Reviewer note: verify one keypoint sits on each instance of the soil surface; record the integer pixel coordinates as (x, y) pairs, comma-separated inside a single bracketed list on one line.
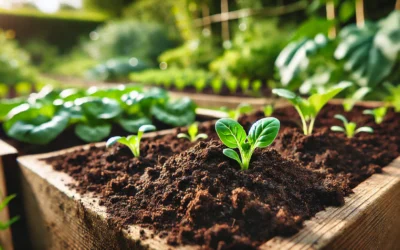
[(191, 193)]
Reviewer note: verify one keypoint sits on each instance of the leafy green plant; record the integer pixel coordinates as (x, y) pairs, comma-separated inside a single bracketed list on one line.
[(268, 110), (3, 204), (244, 85), (378, 114), (350, 128), (256, 86), (394, 96), (308, 109), (357, 96), (132, 141), (232, 84), (231, 133), (200, 84), (216, 85), (193, 133), (178, 113), (241, 109)]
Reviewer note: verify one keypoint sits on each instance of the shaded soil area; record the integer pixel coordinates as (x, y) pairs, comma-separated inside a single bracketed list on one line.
[(191, 193), (68, 138)]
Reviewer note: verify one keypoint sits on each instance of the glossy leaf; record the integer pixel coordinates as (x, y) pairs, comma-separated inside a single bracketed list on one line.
[(230, 132), (92, 133), (263, 132)]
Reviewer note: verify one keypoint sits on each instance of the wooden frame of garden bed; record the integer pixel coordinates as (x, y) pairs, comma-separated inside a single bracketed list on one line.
[(59, 217)]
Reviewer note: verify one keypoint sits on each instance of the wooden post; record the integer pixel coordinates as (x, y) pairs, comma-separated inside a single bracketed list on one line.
[(360, 18), (330, 15), (224, 20), (205, 11), (397, 7)]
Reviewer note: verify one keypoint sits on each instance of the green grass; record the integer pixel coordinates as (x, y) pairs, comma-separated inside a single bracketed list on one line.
[(89, 16)]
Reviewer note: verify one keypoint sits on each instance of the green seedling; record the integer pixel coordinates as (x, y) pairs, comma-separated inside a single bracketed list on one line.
[(231, 133), (241, 109), (3, 204), (378, 113), (244, 85), (394, 96), (359, 95), (268, 110), (350, 128), (232, 84), (256, 86), (180, 84), (308, 109), (192, 134), (200, 84), (132, 141), (216, 85)]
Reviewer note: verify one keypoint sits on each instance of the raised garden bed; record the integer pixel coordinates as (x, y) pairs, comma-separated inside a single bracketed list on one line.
[(191, 194)]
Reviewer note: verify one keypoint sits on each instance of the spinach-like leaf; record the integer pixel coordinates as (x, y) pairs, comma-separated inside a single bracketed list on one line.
[(178, 113), (99, 108), (92, 133), (132, 125)]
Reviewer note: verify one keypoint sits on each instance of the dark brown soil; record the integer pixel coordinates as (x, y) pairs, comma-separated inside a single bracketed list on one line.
[(192, 194)]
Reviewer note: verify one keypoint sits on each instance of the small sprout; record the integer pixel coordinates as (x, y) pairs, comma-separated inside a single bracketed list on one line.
[(359, 95), (268, 110), (349, 128), (231, 133), (200, 84), (132, 141), (256, 86), (394, 96), (241, 109), (216, 85), (232, 84), (244, 85), (308, 109), (378, 113), (193, 133)]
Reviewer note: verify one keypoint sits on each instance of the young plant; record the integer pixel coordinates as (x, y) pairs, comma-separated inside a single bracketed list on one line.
[(256, 86), (232, 84), (132, 141), (308, 109), (244, 85), (378, 113), (231, 133), (200, 84), (349, 128), (394, 96), (216, 85), (349, 103), (268, 110), (193, 133), (241, 109), (3, 204), (180, 84)]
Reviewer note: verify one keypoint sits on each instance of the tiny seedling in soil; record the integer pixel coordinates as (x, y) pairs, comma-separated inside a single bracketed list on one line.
[(350, 128), (308, 109), (359, 95), (193, 133), (132, 141), (378, 113), (268, 110), (241, 109), (231, 133)]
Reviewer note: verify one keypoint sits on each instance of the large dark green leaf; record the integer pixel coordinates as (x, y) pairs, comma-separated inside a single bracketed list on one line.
[(7, 105), (99, 108), (92, 133), (178, 113), (132, 125), (40, 130), (136, 102)]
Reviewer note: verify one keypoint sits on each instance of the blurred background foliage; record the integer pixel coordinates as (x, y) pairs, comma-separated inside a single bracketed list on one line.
[(109, 40)]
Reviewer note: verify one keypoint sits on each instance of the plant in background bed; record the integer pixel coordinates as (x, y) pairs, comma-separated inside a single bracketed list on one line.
[(232, 84), (378, 114), (394, 96), (193, 133), (200, 84), (350, 128), (178, 113), (349, 103), (3, 204), (216, 85), (132, 141), (268, 110), (261, 134), (308, 109), (241, 109), (256, 87), (244, 85)]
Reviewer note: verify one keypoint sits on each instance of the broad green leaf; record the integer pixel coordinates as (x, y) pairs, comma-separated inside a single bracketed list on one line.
[(99, 108), (263, 132), (359, 95), (232, 154), (7, 105), (132, 125), (92, 133), (230, 132), (318, 101), (38, 131), (178, 113)]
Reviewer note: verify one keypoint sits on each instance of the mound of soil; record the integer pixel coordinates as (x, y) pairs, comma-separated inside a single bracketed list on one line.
[(192, 194)]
